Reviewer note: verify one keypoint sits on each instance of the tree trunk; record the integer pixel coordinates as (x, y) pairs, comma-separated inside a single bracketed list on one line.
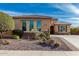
[(1, 35)]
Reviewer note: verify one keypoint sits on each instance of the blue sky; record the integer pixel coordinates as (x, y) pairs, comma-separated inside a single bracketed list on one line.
[(63, 12)]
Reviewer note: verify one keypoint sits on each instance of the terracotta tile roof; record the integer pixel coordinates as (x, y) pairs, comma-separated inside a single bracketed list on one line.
[(32, 17), (61, 23)]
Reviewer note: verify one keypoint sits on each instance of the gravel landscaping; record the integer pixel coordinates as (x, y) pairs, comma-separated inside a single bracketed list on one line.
[(25, 44)]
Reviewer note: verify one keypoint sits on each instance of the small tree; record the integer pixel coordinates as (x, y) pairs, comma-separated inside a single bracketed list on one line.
[(6, 23)]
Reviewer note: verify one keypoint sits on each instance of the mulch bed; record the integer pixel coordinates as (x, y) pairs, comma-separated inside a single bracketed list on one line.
[(24, 44)]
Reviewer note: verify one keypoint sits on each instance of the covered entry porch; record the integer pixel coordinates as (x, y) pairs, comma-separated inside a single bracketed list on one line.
[(60, 28)]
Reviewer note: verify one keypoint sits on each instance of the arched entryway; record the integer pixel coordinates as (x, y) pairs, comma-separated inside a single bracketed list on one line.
[(51, 29)]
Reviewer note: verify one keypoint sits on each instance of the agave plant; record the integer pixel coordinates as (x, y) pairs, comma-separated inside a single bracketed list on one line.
[(43, 37)]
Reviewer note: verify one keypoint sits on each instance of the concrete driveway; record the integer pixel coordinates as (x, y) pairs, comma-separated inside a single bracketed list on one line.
[(69, 39)]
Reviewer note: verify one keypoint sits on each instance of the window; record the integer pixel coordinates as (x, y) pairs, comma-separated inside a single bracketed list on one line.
[(62, 28), (39, 25), (31, 24), (24, 25)]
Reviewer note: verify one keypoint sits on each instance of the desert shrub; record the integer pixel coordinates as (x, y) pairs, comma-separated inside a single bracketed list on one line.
[(49, 42), (0, 37), (57, 45), (46, 33), (16, 37), (75, 31), (18, 32), (43, 36), (4, 42)]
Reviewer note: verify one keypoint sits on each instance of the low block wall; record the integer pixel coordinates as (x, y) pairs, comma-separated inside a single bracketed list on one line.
[(58, 33)]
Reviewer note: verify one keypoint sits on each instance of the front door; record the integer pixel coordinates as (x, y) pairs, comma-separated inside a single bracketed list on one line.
[(51, 29), (23, 25)]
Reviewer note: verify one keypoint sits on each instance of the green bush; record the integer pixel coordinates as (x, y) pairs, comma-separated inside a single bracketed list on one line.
[(18, 32), (75, 31), (16, 37)]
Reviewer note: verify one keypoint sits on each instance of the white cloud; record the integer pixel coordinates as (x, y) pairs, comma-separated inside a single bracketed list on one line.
[(67, 7), (70, 9), (73, 21), (12, 13), (75, 25), (73, 9)]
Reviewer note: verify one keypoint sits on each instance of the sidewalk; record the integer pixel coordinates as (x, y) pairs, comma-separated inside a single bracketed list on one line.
[(38, 53)]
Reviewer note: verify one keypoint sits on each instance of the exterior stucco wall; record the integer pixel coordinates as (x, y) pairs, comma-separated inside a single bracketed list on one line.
[(18, 24), (45, 24), (56, 28), (35, 24), (68, 28)]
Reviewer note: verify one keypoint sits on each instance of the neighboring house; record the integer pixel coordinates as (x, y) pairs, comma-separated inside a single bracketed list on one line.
[(41, 23)]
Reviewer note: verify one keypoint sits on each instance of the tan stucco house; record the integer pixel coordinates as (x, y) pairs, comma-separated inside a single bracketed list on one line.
[(41, 23)]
